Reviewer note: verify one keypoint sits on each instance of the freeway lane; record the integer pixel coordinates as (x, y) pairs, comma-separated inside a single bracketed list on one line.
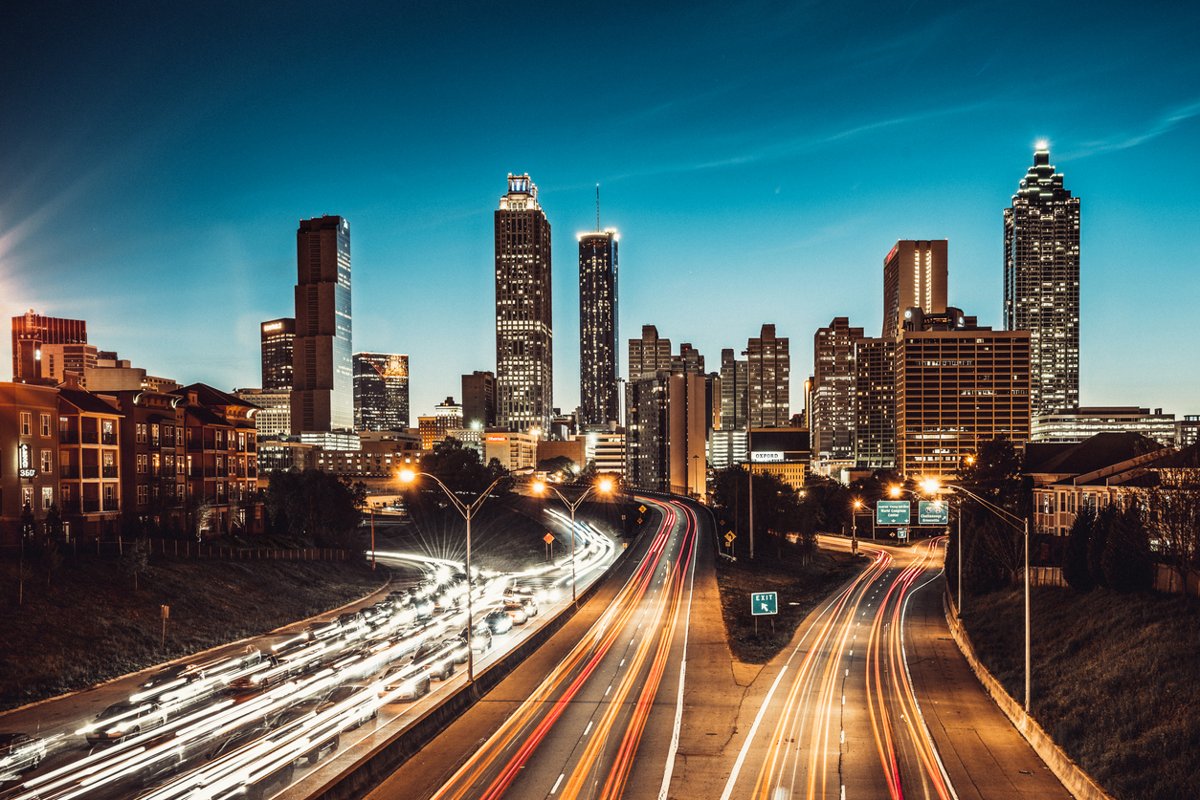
[(593, 713)]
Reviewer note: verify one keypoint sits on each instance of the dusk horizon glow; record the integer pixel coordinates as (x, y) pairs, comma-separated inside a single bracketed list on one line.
[(759, 163)]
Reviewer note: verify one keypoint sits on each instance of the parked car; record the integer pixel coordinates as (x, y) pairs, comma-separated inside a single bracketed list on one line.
[(19, 752), (122, 720), (498, 622)]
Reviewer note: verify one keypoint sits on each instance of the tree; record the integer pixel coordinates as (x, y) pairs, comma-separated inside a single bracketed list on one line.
[(561, 466), (1075, 563), (316, 506), (135, 561), (1126, 562), (1098, 543), (1175, 517), (459, 467)]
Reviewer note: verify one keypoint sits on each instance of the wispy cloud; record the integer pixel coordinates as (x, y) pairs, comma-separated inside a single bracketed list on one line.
[(1124, 141)]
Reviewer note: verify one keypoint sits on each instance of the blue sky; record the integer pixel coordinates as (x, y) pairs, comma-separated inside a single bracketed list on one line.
[(759, 160)]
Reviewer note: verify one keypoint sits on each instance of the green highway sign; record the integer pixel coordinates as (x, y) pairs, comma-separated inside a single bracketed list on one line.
[(933, 512), (893, 512), (764, 603)]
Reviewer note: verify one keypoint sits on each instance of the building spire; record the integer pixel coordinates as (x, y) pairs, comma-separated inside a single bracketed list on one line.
[(597, 208)]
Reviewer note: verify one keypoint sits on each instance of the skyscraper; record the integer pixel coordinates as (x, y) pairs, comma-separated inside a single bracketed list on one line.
[(914, 276), (322, 377), (277, 337), (875, 403), (524, 330), (734, 399), (769, 374), (598, 328), (479, 400), (833, 416), (648, 354), (30, 332), (380, 391), (1041, 283)]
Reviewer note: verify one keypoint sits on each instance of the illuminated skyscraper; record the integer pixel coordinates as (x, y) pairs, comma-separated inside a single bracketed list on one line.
[(380, 391), (598, 328), (277, 340), (1041, 283), (914, 276), (834, 414), (524, 329), (31, 332), (322, 378), (769, 378)]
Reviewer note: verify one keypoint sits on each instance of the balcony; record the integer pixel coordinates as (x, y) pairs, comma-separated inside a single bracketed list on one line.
[(109, 472), (91, 470), (90, 437), (68, 437), (68, 471), (91, 506), (108, 438)]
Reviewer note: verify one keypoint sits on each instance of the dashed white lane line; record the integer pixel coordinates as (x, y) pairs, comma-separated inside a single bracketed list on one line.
[(557, 782), (588, 729)]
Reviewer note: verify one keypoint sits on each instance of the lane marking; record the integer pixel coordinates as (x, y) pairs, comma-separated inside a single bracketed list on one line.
[(673, 748), (588, 729), (560, 780)]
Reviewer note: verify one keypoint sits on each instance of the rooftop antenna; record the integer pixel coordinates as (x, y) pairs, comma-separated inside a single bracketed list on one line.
[(597, 208)]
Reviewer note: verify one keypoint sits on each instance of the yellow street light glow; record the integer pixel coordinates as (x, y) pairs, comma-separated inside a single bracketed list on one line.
[(970, 459), (407, 476), (931, 485), (894, 491), (605, 485), (858, 503), (538, 487)]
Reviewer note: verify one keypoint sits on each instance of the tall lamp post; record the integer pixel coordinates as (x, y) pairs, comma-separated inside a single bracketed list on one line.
[(468, 511), (604, 486), (1016, 523), (857, 505)]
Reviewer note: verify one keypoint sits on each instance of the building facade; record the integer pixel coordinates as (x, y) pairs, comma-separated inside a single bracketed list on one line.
[(89, 456), (221, 465), (784, 452), (30, 332), (322, 377), (649, 354), (273, 417), (914, 276), (957, 387), (734, 375), (769, 367), (512, 449), (380, 391), (29, 458), (447, 416), (598, 335), (667, 435), (524, 323), (1087, 421), (153, 460), (1041, 283)]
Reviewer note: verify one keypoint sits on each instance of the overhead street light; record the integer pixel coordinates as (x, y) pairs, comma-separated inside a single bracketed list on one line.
[(467, 510), (604, 486)]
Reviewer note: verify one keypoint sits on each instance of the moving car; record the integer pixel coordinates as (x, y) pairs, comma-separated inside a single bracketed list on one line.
[(498, 622), (409, 682), (19, 752), (516, 611), (122, 720), (364, 705), (481, 637)]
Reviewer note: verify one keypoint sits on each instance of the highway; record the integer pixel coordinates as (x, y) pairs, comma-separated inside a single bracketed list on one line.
[(597, 712)]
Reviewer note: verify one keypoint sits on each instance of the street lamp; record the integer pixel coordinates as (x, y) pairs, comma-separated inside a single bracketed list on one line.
[(858, 504), (604, 486), (468, 511), (1017, 523)]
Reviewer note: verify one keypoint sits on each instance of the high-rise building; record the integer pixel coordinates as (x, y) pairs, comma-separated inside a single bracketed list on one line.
[(688, 359), (30, 332), (1086, 421), (524, 329), (734, 392), (833, 415), (914, 276), (380, 391), (769, 378), (599, 403), (875, 403), (277, 337), (957, 386), (1041, 283), (648, 354), (479, 400), (666, 439), (447, 417), (323, 375)]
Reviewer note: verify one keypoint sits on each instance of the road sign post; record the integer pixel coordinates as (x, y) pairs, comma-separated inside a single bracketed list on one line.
[(764, 604), (549, 540)]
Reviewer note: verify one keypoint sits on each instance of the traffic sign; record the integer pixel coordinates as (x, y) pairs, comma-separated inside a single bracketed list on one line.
[(901, 533), (933, 512), (764, 603), (729, 537), (642, 509), (893, 512), (548, 538)]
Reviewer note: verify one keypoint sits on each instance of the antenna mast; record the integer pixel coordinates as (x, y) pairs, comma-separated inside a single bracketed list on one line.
[(597, 208)]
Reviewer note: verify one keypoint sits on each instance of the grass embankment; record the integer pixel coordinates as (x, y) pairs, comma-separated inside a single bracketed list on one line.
[(90, 625), (800, 587), (1115, 681)]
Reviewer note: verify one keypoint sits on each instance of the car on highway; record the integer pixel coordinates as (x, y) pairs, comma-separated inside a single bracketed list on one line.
[(409, 682), (19, 752), (481, 637), (530, 605), (122, 720), (516, 611), (363, 703), (498, 622)]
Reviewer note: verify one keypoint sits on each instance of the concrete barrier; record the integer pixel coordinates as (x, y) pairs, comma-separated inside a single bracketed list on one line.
[(358, 777), (1077, 782)]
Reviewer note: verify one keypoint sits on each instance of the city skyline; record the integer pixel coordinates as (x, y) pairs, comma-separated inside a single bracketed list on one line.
[(820, 195)]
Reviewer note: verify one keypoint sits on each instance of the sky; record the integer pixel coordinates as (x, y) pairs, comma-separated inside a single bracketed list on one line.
[(759, 160)]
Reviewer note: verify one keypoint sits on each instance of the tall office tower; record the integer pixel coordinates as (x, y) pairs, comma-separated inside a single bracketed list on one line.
[(957, 386), (769, 377), (30, 332), (734, 398), (322, 376), (1041, 283), (648, 354), (277, 337), (380, 392), (479, 400), (524, 331), (599, 404), (688, 359), (666, 437), (833, 413), (875, 403), (914, 276)]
